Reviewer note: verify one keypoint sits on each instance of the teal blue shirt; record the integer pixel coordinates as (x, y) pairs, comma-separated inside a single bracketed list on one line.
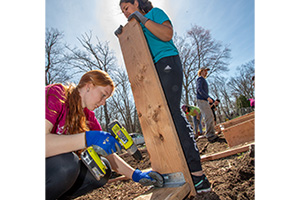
[(158, 48)]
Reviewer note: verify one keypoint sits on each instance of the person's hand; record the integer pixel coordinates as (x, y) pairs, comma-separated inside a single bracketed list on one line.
[(148, 178), (210, 100), (139, 17), (198, 116), (103, 143), (119, 30)]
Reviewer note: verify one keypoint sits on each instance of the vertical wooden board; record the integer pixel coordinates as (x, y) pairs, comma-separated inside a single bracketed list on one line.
[(160, 135), (240, 133)]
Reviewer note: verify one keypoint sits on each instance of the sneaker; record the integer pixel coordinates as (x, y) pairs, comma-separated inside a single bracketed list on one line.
[(201, 184), (213, 139)]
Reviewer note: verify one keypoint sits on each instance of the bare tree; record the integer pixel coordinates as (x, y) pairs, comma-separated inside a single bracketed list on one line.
[(230, 91), (56, 63), (188, 66), (207, 51), (197, 50), (241, 84), (123, 103), (220, 90), (93, 56)]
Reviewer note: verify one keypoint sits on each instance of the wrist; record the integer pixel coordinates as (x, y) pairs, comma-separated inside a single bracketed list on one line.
[(136, 175), (89, 138), (141, 17), (144, 20), (84, 139)]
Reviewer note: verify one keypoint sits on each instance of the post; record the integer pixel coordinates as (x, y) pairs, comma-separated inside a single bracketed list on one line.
[(160, 135)]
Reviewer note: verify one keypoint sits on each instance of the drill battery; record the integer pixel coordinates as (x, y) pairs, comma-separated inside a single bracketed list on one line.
[(93, 162)]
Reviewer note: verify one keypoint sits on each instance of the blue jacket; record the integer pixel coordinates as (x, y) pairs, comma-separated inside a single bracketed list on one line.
[(202, 88)]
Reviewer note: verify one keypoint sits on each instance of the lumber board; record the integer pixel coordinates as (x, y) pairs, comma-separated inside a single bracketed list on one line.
[(238, 120), (177, 193), (225, 153), (159, 131), (240, 133)]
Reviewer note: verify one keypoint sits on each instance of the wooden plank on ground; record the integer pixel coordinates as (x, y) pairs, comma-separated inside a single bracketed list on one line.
[(226, 153), (160, 135), (240, 133), (176, 193), (238, 120)]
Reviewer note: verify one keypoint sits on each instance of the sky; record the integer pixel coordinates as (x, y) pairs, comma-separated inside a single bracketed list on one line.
[(230, 22)]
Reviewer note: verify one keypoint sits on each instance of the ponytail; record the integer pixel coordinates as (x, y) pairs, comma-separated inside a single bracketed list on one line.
[(145, 5), (75, 120)]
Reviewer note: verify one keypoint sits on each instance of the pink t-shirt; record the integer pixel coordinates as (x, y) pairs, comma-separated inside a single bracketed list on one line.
[(56, 99)]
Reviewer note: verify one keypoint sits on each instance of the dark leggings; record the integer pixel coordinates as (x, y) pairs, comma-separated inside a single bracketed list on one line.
[(169, 70), (67, 177)]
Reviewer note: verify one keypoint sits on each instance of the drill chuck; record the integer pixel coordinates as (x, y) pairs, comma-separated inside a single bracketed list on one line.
[(133, 150), (122, 136)]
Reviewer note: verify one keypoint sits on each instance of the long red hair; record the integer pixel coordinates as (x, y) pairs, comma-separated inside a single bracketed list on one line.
[(76, 120)]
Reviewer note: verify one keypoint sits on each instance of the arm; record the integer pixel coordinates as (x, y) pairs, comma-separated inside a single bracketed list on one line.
[(163, 31), (198, 116), (58, 144), (144, 178), (210, 100), (120, 166), (201, 90)]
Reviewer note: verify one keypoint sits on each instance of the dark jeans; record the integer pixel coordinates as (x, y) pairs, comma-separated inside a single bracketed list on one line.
[(169, 70), (67, 177)]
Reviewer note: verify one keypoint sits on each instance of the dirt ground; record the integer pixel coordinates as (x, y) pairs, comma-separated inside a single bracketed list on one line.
[(231, 177)]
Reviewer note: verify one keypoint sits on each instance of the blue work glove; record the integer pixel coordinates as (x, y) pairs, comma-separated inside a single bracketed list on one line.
[(148, 178), (139, 17), (102, 142)]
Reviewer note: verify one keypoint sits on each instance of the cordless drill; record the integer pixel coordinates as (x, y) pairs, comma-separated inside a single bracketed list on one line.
[(120, 133), (92, 160)]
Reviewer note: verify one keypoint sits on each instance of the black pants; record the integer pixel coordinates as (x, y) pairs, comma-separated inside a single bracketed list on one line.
[(67, 177), (169, 70)]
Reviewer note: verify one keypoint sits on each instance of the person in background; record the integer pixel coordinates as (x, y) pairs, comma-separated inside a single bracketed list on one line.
[(203, 100), (213, 107), (194, 112), (71, 125), (252, 101), (158, 31)]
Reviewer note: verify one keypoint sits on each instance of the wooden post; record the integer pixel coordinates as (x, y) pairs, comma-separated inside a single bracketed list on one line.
[(160, 135)]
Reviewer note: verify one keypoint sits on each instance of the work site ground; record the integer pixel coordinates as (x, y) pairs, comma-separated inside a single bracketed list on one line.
[(230, 177)]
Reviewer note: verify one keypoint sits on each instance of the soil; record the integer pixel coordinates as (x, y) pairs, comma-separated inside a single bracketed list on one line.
[(231, 177)]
